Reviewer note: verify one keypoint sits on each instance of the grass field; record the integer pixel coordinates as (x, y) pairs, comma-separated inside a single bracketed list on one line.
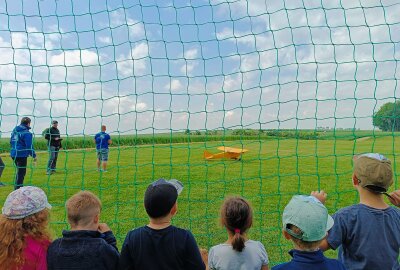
[(269, 174)]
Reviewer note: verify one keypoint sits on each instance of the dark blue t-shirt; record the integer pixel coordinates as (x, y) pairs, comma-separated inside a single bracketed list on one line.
[(303, 260), (171, 248), (367, 238), (102, 139)]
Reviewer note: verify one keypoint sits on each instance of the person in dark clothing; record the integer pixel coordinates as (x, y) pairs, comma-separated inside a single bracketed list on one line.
[(159, 245), (53, 144), (306, 222), (21, 142), (89, 245), (2, 166)]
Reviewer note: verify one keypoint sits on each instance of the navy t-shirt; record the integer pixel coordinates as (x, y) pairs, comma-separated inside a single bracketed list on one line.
[(368, 238), (303, 260), (170, 248), (102, 139)]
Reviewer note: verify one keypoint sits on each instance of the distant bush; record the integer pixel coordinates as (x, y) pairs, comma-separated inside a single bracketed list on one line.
[(298, 134), (211, 132), (245, 132)]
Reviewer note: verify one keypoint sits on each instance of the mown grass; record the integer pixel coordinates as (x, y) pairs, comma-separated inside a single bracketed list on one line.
[(269, 174)]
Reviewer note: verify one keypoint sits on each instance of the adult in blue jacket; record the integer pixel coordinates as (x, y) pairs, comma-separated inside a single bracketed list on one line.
[(21, 148)]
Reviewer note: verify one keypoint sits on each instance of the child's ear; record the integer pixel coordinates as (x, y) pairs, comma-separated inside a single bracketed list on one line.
[(286, 235), (355, 180), (96, 219), (174, 209)]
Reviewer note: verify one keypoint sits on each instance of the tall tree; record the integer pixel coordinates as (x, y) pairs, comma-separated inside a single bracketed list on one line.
[(388, 117)]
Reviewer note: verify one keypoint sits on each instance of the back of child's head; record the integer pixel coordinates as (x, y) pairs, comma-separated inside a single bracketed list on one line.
[(373, 172), (307, 221), (82, 208), (25, 213), (161, 196), (237, 217)]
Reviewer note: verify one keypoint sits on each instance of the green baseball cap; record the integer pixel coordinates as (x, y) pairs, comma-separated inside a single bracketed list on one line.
[(309, 215)]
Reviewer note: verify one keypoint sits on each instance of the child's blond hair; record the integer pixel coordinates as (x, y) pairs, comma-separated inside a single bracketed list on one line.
[(82, 207)]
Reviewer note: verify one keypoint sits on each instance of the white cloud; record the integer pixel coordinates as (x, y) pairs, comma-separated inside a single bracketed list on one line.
[(19, 40), (122, 105), (175, 85), (229, 114), (105, 40), (136, 29), (191, 54), (188, 67), (140, 51), (134, 63), (74, 58)]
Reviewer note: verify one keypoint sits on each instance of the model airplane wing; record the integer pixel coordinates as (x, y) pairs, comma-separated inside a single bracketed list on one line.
[(232, 150), (227, 153)]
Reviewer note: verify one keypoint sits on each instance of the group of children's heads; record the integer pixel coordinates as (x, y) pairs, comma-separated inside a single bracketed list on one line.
[(305, 219)]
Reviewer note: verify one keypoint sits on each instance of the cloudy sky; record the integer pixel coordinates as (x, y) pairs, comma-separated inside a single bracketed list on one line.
[(158, 66)]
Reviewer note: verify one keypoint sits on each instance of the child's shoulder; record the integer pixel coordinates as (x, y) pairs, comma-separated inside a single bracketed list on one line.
[(34, 243), (169, 230), (250, 245), (360, 213), (352, 209), (361, 208)]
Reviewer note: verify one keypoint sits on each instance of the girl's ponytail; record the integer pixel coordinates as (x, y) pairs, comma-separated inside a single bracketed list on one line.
[(237, 217), (238, 241)]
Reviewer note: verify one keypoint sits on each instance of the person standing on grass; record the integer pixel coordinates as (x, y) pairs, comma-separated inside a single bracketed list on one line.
[(2, 166), (102, 140), (53, 144), (21, 142)]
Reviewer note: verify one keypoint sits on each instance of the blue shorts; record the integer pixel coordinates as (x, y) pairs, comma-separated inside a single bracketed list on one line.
[(102, 154)]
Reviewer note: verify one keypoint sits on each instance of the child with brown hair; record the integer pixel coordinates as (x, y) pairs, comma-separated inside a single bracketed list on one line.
[(367, 233), (89, 244), (238, 252), (25, 236)]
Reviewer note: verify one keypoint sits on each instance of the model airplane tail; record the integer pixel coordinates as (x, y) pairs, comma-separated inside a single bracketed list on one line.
[(208, 155)]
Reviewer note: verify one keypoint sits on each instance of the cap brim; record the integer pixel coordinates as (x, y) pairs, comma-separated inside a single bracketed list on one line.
[(48, 206), (329, 223), (177, 184)]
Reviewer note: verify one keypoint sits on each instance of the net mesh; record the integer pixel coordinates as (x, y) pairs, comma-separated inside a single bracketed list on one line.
[(294, 82)]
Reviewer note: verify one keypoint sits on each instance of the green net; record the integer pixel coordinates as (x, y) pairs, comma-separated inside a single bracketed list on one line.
[(295, 82)]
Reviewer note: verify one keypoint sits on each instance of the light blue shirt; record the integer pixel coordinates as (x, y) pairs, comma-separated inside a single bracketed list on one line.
[(252, 257)]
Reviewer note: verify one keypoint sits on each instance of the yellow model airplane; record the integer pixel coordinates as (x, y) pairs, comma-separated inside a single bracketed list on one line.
[(228, 152)]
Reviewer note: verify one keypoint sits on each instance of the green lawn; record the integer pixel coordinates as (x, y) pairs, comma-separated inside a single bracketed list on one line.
[(270, 173)]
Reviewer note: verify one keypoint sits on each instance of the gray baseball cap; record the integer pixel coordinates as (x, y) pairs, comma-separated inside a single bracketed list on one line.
[(309, 215)]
